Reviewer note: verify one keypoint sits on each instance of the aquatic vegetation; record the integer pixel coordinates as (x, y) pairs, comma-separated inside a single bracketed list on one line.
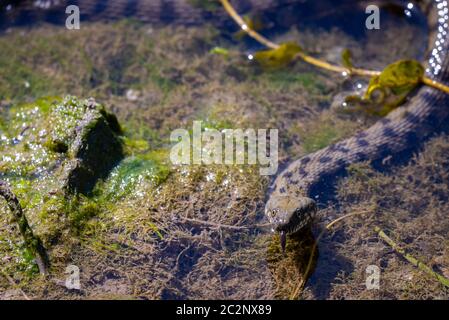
[(389, 201), (29, 71), (346, 59), (284, 78), (32, 245), (43, 141), (279, 57), (149, 229), (254, 22), (273, 47), (324, 133), (388, 90), (288, 268), (127, 178), (25, 150), (221, 51)]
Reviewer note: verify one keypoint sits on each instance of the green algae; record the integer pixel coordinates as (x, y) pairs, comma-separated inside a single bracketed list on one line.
[(24, 151), (47, 142), (131, 174), (143, 201), (285, 78), (30, 161), (40, 133), (324, 133), (43, 63)]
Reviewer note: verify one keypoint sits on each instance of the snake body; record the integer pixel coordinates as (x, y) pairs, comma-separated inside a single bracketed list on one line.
[(291, 203)]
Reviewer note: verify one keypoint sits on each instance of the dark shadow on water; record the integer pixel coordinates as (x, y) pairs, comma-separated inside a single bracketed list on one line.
[(328, 266)]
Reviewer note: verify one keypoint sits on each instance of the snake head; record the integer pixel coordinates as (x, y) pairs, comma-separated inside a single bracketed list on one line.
[(289, 214)]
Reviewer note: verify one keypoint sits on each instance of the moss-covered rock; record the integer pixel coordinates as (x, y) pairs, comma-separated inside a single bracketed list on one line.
[(75, 141), (95, 149), (53, 150)]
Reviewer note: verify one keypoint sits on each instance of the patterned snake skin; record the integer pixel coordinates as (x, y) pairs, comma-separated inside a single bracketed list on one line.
[(290, 206)]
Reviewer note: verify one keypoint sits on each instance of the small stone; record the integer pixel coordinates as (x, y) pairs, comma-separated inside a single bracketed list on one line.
[(132, 95)]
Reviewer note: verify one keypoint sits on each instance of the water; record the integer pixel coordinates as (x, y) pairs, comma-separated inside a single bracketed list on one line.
[(199, 231)]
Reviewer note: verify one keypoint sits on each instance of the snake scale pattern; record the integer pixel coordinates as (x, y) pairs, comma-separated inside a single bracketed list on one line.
[(291, 204)]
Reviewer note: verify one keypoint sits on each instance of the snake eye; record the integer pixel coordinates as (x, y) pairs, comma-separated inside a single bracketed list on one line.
[(274, 212)]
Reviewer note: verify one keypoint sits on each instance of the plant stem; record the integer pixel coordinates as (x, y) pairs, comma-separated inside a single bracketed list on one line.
[(417, 263), (239, 20), (32, 242), (435, 84), (312, 60)]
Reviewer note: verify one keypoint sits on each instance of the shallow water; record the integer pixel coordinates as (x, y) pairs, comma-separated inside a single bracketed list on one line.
[(154, 230)]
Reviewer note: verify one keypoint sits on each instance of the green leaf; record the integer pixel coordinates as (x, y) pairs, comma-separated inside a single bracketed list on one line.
[(220, 50), (278, 58), (253, 22), (400, 77), (346, 57), (390, 89)]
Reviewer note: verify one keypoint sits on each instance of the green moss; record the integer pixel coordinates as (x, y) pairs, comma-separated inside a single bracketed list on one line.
[(57, 146), (29, 70), (133, 146), (20, 76), (35, 145), (289, 268)]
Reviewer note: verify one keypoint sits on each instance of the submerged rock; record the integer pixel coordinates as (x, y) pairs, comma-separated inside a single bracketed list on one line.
[(75, 142), (52, 153), (94, 151)]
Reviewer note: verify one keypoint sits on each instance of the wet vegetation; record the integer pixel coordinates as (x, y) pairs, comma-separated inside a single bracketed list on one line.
[(149, 229)]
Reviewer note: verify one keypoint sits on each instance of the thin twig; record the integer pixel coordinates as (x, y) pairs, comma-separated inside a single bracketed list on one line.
[(32, 242), (312, 60), (435, 84), (253, 34), (417, 263)]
